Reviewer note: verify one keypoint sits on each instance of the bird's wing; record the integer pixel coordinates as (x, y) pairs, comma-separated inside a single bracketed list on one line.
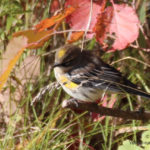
[(103, 77)]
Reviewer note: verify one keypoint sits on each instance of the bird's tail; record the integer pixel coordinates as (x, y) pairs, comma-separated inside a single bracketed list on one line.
[(128, 88), (136, 91)]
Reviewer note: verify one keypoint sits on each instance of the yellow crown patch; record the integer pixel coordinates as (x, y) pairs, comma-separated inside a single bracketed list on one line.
[(61, 53)]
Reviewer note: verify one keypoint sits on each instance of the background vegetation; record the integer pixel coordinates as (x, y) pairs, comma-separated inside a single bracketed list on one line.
[(45, 125)]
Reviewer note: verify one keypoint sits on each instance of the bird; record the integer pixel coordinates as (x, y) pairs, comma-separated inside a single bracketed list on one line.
[(86, 77)]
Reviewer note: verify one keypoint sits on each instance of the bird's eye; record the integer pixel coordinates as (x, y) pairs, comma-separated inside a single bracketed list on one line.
[(68, 63)]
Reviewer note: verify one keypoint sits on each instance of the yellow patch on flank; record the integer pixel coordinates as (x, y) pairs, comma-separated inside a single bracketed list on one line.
[(61, 53), (71, 85), (68, 84)]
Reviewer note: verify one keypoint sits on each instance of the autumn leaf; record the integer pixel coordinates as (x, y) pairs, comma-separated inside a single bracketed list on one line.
[(24, 39), (13, 52), (84, 17), (124, 26), (115, 26), (103, 23), (120, 24), (47, 23), (75, 36), (35, 39)]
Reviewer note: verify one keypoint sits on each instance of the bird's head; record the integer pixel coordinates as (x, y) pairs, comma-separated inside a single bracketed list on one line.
[(67, 56)]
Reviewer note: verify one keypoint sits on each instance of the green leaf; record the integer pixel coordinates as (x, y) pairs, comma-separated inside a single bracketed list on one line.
[(146, 139), (128, 145)]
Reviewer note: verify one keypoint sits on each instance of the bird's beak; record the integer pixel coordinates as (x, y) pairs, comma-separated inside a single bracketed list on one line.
[(56, 65)]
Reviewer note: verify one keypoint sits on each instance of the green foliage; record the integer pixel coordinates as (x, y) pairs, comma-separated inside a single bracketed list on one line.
[(10, 7), (146, 140), (129, 145)]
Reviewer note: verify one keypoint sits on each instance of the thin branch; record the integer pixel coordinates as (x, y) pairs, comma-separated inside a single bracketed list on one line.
[(88, 24), (130, 58), (94, 107), (138, 47)]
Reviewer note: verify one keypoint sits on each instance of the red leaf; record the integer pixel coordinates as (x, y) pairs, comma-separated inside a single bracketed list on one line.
[(103, 24), (84, 17), (124, 26)]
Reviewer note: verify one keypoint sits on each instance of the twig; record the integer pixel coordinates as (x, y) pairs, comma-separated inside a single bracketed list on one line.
[(94, 107), (88, 25), (131, 58), (143, 49)]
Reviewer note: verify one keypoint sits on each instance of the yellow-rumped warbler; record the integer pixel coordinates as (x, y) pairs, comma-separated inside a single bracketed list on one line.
[(84, 76)]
